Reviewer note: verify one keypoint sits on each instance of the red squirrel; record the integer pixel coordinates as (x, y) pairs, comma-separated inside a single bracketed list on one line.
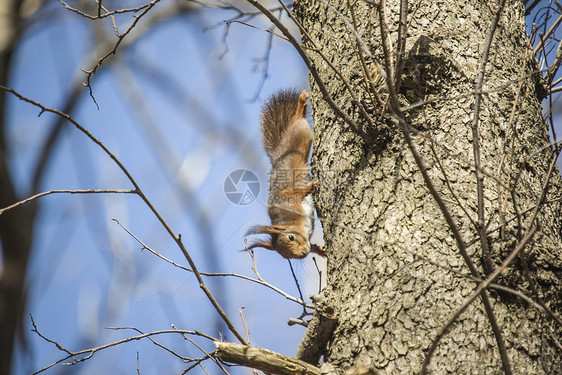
[(287, 138)]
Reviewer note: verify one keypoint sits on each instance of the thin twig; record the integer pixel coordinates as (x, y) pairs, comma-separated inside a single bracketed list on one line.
[(441, 98), (85, 354), (402, 33), (244, 323), (448, 182), (481, 288), (514, 217), (311, 67), (100, 15), (297, 284), (140, 193), (216, 274), (254, 266), (258, 28), (552, 29), (388, 65), (510, 126), (369, 84), (211, 356), (476, 150), (88, 191), (120, 37), (538, 304), (328, 61)]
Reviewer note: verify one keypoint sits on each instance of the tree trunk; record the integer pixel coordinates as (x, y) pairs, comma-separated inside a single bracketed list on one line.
[(395, 271)]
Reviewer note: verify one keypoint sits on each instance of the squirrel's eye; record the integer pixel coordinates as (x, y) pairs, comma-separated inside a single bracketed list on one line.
[(291, 237)]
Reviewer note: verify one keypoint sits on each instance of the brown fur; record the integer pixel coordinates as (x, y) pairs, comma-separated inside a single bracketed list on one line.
[(287, 139)]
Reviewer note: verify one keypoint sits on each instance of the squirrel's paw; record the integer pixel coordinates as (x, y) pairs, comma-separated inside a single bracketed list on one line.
[(317, 250), (314, 186)]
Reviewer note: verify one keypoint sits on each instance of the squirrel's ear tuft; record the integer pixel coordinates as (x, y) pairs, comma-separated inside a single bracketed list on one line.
[(256, 229), (265, 244), (263, 229)]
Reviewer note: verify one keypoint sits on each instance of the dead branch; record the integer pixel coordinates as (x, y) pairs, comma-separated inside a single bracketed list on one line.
[(263, 359)]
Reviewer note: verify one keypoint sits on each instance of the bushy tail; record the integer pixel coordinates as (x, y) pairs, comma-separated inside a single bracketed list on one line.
[(280, 111)]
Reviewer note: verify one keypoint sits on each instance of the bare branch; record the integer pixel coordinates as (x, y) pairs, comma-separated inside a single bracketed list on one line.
[(89, 191), (244, 322), (337, 71), (259, 281), (210, 356), (120, 36), (263, 359), (476, 150), (254, 266), (106, 13), (140, 193), (326, 95), (85, 354), (481, 287), (551, 30), (367, 79)]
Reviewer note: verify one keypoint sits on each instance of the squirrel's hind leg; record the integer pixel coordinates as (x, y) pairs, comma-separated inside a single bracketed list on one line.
[(301, 108), (301, 191)]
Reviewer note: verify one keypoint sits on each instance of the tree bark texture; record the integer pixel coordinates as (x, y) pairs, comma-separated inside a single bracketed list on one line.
[(395, 274)]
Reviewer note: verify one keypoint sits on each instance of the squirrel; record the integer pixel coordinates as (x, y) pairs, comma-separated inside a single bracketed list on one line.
[(287, 139)]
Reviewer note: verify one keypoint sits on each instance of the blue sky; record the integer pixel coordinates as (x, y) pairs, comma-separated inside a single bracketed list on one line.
[(174, 93), (176, 109)]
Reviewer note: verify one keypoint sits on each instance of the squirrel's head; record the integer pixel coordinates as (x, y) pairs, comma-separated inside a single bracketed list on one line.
[(288, 241)]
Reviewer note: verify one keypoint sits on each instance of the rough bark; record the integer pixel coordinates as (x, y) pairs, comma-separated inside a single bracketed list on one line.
[(391, 254)]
